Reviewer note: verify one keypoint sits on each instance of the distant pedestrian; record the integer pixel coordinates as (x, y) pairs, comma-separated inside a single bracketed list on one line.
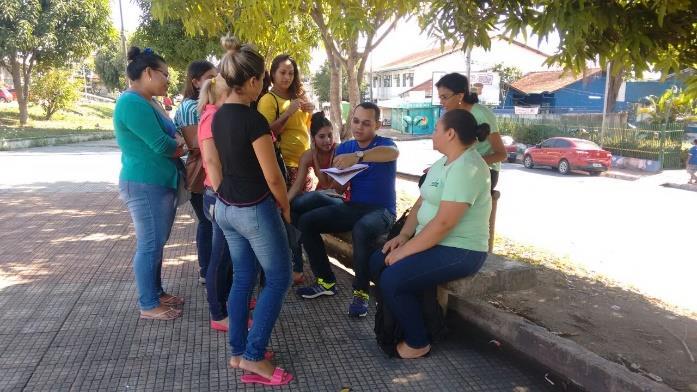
[(150, 151), (692, 163)]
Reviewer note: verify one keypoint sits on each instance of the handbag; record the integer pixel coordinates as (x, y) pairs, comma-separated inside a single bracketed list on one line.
[(183, 194), (195, 175)]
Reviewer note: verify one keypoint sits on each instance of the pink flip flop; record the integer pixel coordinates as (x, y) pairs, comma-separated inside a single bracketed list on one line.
[(218, 326), (280, 377)]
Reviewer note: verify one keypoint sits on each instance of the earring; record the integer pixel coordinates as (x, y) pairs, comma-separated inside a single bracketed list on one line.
[(150, 79)]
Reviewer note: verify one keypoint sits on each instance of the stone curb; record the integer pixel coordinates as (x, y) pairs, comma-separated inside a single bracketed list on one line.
[(620, 176), (564, 357), (17, 144)]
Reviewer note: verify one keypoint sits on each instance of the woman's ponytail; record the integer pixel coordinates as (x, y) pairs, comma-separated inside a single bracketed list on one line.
[(483, 131)]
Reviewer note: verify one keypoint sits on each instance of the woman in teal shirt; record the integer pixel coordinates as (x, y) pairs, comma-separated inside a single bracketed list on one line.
[(149, 177), (449, 225)]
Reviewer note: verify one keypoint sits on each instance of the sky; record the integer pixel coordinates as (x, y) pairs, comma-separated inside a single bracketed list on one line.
[(392, 48)]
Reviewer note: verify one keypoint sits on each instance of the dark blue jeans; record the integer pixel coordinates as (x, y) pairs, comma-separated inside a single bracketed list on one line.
[(152, 209), (366, 223), (204, 234), (300, 205), (403, 282), (219, 273), (257, 237)]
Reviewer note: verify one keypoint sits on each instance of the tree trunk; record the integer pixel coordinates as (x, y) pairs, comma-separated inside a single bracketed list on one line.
[(616, 79), (353, 90), (335, 93), (20, 89)]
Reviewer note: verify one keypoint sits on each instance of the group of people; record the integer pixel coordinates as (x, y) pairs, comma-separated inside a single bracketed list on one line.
[(255, 151)]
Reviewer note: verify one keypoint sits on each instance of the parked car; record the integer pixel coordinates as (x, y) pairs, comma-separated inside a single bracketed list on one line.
[(5, 95), (511, 148), (14, 93), (567, 154)]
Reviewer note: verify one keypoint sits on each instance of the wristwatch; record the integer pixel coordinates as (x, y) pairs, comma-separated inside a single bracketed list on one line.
[(360, 154)]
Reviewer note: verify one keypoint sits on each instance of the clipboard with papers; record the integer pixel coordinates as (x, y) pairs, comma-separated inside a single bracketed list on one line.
[(342, 176)]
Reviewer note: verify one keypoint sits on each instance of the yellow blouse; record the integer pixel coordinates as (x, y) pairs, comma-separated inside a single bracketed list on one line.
[(295, 139)]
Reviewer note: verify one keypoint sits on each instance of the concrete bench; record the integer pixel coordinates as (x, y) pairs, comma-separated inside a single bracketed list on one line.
[(497, 275)]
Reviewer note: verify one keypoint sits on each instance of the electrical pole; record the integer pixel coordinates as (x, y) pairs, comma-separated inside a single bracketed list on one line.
[(123, 44)]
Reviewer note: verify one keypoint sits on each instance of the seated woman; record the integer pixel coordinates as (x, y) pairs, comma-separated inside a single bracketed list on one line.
[(451, 223), (319, 156)]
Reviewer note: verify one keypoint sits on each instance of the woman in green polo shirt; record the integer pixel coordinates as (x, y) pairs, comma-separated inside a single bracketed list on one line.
[(449, 225), (148, 181)]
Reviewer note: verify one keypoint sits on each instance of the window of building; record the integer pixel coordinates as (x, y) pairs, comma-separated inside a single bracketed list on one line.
[(376, 82), (396, 80), (410, 79), (404, 80), (387, 81)]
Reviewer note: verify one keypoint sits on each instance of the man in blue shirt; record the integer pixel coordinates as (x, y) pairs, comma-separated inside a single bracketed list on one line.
[(368, 215), (692, 163)]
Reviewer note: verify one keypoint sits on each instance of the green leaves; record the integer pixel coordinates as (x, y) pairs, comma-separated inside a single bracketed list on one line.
[(56, 90)]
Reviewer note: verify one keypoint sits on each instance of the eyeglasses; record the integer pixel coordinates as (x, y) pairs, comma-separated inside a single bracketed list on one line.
[(444, 98), (165, 74)]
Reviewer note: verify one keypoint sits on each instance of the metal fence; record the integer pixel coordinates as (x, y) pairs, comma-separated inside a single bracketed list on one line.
[(659, 142)]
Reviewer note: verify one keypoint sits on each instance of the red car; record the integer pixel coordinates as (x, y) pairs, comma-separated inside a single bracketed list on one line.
[(567, 154), (511, 148), (5, 95)]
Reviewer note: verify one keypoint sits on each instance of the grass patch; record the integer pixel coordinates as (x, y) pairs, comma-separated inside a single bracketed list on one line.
[(83, 118)]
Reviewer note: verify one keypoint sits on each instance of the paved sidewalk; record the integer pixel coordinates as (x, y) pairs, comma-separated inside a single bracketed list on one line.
[(69, 319)]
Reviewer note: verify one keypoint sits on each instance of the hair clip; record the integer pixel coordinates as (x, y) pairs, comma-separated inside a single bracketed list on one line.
[(212, 81), (148, 51)]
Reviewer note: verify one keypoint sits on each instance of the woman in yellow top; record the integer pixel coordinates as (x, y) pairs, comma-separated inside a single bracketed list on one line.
[(288, 111)]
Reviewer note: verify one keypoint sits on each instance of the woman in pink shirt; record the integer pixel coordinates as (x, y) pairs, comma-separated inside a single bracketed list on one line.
[(219, 274)]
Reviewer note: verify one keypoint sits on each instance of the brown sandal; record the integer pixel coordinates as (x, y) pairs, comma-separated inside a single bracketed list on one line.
[(169, 314), (171, 300)]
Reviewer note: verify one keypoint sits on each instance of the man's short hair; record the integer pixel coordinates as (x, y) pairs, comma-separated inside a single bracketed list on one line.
[(370, 106)]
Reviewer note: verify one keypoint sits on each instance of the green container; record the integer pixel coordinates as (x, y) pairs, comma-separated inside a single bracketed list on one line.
[(415, 118)]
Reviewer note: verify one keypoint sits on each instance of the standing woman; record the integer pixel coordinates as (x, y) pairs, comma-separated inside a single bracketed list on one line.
[(287, 109), (214, 92), (186, 119), (251, 190), (149, 176), (454, 93)]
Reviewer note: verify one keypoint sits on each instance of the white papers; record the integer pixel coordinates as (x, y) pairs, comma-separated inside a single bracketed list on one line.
[(342, 176)]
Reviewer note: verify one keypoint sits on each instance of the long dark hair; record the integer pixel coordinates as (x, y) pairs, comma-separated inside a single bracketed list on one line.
[(465, 126), (458, 84), (195, 71), (139, 60), (296, 89)]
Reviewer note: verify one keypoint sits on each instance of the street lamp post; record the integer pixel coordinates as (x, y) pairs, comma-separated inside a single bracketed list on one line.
[(123, 44)]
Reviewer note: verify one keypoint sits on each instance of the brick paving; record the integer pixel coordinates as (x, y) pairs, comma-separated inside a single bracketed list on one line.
[(69, 321)]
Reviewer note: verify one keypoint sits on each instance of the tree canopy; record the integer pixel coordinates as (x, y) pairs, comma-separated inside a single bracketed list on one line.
[(635, 36), (43, 34)]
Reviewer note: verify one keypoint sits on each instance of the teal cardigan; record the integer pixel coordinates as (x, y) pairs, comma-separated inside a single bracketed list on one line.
[(146, 150)]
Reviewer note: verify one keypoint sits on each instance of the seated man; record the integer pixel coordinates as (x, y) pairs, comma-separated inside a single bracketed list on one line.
[(368, 215)]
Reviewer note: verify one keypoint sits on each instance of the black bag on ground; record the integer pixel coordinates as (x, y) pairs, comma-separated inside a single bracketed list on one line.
[(388, 331)]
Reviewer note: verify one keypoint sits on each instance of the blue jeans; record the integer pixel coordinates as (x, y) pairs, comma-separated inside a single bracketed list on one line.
[(403, 282), (204, 234), (300, 205), (366, 223), (152, 209), (254, 233), (219, 272)]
